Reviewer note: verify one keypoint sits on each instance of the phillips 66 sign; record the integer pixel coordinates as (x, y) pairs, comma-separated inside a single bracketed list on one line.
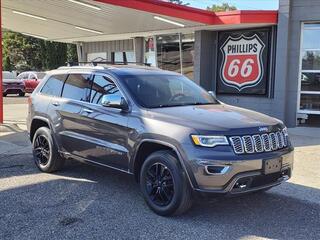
[(243, 62)]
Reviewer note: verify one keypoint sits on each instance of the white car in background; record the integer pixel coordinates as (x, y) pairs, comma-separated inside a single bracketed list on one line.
[(12, 85)]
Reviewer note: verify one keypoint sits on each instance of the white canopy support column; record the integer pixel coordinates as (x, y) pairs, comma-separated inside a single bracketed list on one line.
[(80, 53)]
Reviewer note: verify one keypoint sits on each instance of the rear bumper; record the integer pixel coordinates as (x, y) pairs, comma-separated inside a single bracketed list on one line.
[(243, 176)]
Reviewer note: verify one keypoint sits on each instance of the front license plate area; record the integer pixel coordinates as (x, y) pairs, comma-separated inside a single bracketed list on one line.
[(272, 165)]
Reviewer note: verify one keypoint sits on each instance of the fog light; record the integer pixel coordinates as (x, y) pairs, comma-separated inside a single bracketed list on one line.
[(216, 169)]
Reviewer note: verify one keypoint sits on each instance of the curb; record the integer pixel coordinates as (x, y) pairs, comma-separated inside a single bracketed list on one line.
[(15, 127)]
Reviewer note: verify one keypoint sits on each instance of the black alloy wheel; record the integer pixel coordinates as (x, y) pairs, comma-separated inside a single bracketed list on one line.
[(159, 184), (42, 150), (164, 184), (45, 152)]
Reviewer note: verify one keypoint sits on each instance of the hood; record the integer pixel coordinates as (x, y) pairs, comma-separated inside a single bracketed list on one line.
[(218, 118)]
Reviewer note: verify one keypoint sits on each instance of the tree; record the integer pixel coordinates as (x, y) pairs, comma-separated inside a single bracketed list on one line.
[(7, 66), (72, 55), (55, 54), (224, 7), (179, 2), (23, 53)]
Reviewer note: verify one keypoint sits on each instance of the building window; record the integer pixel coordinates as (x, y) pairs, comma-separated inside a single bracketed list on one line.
[(124, 57), (175, 53), (310, 69), (168, 52), (187, 45), (99, 56)]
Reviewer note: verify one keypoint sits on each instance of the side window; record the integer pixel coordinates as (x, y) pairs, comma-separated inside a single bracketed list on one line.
[(20, 76), (102, 86), (25, 76), (77, 87), (32, 76), (53, 85)]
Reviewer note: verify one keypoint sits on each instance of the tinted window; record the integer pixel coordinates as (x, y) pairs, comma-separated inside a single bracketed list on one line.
[(152, 91), (77, 87), (54, 85), (102, 86)]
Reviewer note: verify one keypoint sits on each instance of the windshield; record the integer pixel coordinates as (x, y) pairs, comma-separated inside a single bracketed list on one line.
[(154, 91), (8, 75)]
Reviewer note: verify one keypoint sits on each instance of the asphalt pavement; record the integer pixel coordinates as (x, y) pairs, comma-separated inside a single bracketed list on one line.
[(87, 202)]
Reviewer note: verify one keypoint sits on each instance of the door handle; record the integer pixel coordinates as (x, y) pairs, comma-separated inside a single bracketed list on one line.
[(87, 110), (56, 104)]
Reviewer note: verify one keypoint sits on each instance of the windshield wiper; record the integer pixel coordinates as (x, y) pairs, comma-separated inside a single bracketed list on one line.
[(169, 105), (181, 104)]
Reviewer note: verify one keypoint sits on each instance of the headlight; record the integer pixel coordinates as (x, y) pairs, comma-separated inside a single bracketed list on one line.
[(209, 141)]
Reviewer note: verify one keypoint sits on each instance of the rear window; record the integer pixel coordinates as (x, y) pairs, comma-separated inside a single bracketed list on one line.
[(54, 85), (77, 87)]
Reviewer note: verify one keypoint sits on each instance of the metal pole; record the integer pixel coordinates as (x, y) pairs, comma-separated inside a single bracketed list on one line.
[(1, 95), (180, 52)]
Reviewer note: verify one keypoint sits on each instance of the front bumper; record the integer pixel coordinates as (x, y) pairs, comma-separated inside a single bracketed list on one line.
[(240, 176), (13, 89)]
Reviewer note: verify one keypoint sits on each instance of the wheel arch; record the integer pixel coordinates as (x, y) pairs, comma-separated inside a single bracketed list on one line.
[(148, 146), (37, 123)]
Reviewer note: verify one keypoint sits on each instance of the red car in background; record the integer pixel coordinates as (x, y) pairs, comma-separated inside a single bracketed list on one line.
[(31, 80)]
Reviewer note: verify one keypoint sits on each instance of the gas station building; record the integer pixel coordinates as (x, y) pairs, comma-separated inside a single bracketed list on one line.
[(268, 61)]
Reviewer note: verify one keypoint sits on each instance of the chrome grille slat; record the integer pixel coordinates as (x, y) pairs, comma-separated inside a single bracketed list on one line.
[(285, 137), (273, 140), (266, 142), (259, 143), (237, 145), (248, 144), (280, 139)]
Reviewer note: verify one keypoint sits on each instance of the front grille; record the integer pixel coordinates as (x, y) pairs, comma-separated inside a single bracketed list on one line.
[(259, 143)]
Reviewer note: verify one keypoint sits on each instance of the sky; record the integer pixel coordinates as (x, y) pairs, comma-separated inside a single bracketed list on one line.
[(240, 4)]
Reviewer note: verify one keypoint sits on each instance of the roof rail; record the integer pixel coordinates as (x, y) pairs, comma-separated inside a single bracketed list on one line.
[(103, 61), (81, 67)]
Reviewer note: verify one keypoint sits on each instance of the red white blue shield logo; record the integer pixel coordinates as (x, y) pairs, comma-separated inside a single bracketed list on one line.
[(242, 65)]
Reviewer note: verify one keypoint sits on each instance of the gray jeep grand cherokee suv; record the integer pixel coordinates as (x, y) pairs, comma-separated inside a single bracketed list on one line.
[(172, 135)]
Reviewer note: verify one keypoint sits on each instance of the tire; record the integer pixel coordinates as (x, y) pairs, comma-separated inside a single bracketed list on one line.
[(45, 152), (164, 196), (22, 94)]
